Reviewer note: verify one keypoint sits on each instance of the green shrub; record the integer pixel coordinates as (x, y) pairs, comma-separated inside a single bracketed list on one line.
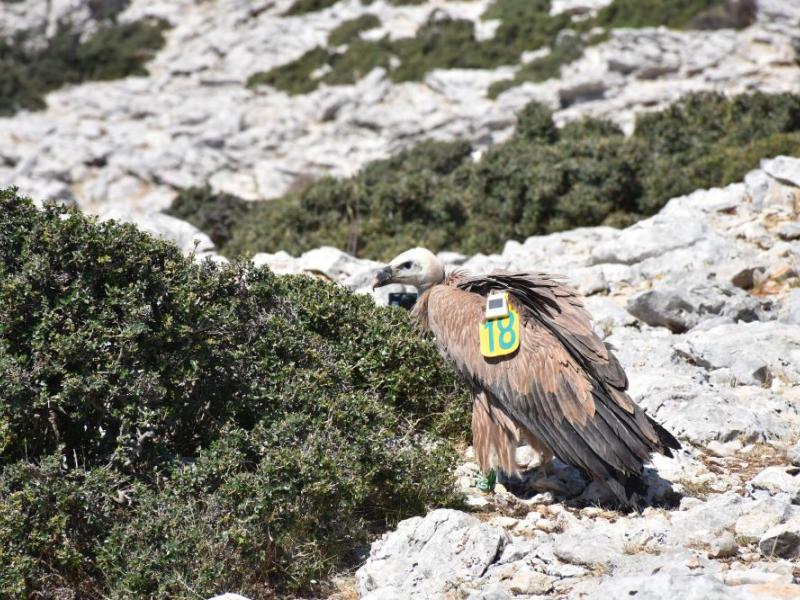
[(544, 68), (360, 58), (524, 25), (215, 214), (107, 10), (652, 13), (733, 14), (172, 429), (541, 180), (697, 136), (393, 204), (115, 51), (450, 43), (439, 44), (301, 7), (349, 30), (294, 77)]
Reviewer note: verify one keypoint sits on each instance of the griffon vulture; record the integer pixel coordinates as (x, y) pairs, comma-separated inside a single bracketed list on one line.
[(538, 372)]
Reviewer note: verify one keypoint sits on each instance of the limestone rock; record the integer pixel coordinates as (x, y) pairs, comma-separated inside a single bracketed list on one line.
[(258, 143), (793, 454), (764, 514), (756, 353), (650, 238), (723, 546), (424, 555), (589, 550), (785, 169), (667, 586), (280, 262), (789, 311), (782, 540), (778, 480)]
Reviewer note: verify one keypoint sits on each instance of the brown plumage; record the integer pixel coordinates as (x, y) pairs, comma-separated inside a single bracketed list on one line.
[(562, 391)]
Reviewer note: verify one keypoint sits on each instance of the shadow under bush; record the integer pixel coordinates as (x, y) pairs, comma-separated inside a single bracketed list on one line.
[(170, 429)]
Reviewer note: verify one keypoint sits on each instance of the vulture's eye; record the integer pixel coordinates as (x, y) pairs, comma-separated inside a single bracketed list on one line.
[(406, 265)]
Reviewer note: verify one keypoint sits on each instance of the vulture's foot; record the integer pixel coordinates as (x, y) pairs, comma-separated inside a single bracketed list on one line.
[(550, 484), (542, 478)]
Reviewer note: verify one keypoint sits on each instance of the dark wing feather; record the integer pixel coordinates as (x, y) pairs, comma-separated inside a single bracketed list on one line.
[(564, 385)]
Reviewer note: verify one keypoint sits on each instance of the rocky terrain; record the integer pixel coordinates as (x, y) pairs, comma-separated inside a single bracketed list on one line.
[(702, 303), (123, 148)]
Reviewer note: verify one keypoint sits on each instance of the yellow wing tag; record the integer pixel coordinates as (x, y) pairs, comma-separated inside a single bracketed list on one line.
[(500, 336)]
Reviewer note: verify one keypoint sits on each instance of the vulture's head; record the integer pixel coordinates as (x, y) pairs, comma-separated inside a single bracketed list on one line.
[(418, 267)]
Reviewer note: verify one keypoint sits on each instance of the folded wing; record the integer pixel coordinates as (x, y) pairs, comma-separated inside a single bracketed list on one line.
[(563, 385)]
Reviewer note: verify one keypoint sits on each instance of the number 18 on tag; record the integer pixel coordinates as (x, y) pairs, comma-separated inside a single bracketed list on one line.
[(499, 333)]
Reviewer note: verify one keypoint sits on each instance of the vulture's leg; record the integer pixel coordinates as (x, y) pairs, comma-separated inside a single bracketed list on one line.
[(544, 481), (545, 454), (494, 436)]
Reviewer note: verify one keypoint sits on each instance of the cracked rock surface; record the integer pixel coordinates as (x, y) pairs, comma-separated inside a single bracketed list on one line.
[(124, 147), (701, 301), (713, 356)]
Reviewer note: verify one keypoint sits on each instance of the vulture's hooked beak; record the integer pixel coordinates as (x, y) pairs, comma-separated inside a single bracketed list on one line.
[(383, 277)]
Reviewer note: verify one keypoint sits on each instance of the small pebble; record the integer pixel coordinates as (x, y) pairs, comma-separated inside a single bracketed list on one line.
[(723, 546)]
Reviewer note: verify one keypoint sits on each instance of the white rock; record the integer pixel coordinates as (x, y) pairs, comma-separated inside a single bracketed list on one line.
[(723, 546), (782, 540), (793, 454), (764, 514), (280, 262), (785, 169), (576, 7), (725, 450), (334, 263), (424, 556), (776, 480), (185, 235), (667, 586), (649, 238), (756, 353)]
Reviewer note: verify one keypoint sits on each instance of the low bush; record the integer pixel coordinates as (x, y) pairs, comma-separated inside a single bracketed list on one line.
[(439, 44), (451, 43), (349, 30), (294, 77), (734, 14), (541, 180), (115, 51), (174, 430), (677, 14), (301, 7), (215, 214), (541, 69)]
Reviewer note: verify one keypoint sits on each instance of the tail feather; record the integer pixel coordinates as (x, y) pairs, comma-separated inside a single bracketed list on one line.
[(668, 441)]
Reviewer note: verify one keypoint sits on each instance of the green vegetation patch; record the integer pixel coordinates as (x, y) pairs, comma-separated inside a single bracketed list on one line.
[(215, 214), (677, 14), (115, 51), (349, 30), (542, 180), (301, 7), (525, 25), (541, 69), (175, 430), (439, 44)]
